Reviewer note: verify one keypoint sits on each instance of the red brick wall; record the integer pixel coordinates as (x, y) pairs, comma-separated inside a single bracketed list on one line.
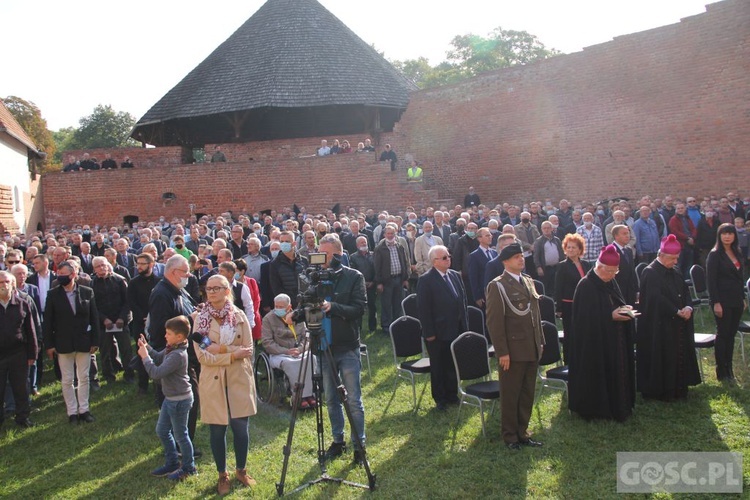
[(107, 196), (657, 112)]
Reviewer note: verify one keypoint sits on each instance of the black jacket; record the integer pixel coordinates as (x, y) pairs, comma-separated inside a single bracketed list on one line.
[(166, 301), (112, 298), (139, 291), (67, 331), (348, 305), (724, 281), (283, 275)]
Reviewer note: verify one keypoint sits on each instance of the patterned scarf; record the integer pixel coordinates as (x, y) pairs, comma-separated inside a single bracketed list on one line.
[(224, 316)]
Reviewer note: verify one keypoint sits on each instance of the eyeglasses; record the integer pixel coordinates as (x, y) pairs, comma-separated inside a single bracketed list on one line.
[(14, 262), (215, 289), (444, 257)]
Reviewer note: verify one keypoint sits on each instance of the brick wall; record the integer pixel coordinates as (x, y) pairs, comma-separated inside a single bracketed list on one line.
[(7, 222), (661, 111)]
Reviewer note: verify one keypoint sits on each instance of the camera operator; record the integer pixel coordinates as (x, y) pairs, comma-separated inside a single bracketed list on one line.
[(345, 311)]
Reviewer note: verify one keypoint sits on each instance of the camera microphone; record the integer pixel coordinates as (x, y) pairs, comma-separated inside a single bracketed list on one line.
[(201, 340)]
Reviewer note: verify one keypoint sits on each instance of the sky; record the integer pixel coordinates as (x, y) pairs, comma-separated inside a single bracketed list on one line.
[(69, 57)]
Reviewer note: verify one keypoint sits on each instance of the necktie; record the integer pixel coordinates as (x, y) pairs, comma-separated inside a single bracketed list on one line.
[(450, 285), (489, 255)]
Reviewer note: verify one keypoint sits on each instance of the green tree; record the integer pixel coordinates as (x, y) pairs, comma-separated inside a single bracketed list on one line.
[(104, 128), (63, 140), (28, 115), (471, 55), (501, 49)]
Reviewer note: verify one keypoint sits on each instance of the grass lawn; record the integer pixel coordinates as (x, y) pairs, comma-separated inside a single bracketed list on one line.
[(422, 455)]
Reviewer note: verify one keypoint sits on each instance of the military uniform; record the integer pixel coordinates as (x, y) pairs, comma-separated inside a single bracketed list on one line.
[(514, 324)]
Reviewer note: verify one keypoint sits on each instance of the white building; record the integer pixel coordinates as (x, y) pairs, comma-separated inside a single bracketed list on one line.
[(18, 180)]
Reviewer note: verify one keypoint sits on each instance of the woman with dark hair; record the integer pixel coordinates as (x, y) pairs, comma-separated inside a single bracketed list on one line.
[(726, 292), (569, 273)]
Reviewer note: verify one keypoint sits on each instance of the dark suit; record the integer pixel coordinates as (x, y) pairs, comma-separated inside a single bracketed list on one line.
[(477, 263), (67, 331), (514, 324), (34, 280), (128, 262), (726, 287), (444, 316), (444, 232), (626, 277), (492, 270), (87, 263)]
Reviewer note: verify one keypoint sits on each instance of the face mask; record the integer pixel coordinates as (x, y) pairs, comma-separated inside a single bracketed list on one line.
[(257, 231), (286, 247), (64, 280), (390, 239), (322, 233), (600, 212), (280, 312), (274, 253), (480, 212), (471, 234), (183, 282), (555, 226), (237, 277), (709, 215), (338, 230), (179, 246), (382, 222), (495, 217), (525, 221), (363, 249), (428, 234), (87, 232), (413, 221)]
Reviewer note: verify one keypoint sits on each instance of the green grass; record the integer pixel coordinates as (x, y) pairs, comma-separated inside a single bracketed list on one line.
[(422, 455)]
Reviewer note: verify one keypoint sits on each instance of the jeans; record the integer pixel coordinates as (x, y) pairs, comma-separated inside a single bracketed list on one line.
[(75, 364), (241, 435), (348, 368), (171, 426)]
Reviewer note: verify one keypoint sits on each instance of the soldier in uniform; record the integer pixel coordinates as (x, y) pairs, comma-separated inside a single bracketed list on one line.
[(515, 326)]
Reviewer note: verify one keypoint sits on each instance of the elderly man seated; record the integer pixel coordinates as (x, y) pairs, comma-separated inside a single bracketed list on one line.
[(284, 341)]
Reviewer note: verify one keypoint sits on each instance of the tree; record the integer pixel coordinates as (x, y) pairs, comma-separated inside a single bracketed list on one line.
[(63, 140), (104, 128), (29, 117), (472, 54)]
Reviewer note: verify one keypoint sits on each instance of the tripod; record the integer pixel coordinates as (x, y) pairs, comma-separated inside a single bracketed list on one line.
[(317, 378)]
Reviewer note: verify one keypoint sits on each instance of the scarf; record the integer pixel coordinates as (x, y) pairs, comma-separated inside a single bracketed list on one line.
[(224, 316)]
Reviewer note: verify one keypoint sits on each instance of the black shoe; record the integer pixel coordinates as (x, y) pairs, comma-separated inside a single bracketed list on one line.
[(25, 423), (73, 419), (335, 450), (532, 443), (359, 457), (441, 406), (513, 446), (86, 417)]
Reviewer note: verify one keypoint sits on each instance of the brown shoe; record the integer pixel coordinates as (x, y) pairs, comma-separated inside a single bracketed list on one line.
[(244, 478), (223, 487)]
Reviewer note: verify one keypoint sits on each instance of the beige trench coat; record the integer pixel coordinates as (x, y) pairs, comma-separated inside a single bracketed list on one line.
[(226, 387)]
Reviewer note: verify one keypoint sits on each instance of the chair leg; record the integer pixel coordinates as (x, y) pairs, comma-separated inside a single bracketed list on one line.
[(458, 413), (742, 347), (414, 392), (481, 416)]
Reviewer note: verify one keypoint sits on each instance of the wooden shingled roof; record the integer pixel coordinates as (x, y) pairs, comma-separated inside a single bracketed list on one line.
[(289, 54)]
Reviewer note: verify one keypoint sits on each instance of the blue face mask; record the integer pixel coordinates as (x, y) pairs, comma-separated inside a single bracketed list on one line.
[(471, 234), (274, 253), (428, 233), (237, 277), (286, 247), (280, 312)]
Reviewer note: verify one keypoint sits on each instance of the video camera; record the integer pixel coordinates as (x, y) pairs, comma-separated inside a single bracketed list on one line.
[(315, 286)]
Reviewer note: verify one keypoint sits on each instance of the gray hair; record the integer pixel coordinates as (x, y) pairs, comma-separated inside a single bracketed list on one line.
[(282, 297)]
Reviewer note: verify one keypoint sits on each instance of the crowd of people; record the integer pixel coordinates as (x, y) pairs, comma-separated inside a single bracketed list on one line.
[(80, 288), (87, 162)]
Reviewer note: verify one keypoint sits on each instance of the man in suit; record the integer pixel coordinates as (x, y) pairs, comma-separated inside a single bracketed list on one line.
[(527, 233), (86, 258), (515, 326), (441, 227), (124, 257), (494, 267), (363, 261), (71, 330), (478, 260), (626, 277), (441, 300)]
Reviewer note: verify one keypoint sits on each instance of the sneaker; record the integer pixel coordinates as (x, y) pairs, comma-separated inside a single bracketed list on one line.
[(181, 474), (335, 450), (165, 470)]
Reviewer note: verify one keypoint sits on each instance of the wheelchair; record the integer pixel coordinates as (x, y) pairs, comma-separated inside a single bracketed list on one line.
[(271, 384)]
